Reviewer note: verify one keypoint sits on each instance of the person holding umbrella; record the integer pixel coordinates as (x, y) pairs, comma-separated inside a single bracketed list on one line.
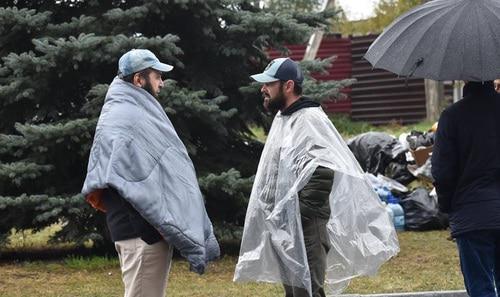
[(458, 40), (466, 169)]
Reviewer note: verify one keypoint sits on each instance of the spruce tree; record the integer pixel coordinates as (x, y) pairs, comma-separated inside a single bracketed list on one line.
[(57, 60)]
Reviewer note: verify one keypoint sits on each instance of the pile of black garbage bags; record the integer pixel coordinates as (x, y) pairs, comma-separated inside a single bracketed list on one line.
[(399, 170)]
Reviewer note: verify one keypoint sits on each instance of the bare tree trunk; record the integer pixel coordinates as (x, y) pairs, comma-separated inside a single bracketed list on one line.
[(316, 37), (434, 93), (458, 86)]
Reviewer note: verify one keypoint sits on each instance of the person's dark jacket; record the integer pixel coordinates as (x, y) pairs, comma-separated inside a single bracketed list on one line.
[(466, 160), (124, 222), (314, 197)]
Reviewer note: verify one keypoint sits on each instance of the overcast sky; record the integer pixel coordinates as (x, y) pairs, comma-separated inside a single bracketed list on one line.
[(357, 9)]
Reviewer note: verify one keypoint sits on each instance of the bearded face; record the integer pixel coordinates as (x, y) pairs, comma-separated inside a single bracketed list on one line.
[(274, 98)]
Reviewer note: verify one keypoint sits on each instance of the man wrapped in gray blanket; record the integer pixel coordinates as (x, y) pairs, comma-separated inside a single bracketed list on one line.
[(140, 174)]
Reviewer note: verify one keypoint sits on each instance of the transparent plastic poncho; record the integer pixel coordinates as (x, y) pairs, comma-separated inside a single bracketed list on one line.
[(361, 233)]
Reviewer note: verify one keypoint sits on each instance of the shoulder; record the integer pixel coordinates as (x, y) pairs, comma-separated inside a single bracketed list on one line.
[(454, 110), (311, 120), (316, 117), (457, 106), (119, 113), (312, 115)]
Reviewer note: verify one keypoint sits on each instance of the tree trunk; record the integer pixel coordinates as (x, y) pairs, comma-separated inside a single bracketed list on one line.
[(316, 37), (434, 93)]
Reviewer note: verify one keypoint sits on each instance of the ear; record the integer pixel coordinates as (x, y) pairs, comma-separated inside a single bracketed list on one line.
[(137, 80), (289, 85)]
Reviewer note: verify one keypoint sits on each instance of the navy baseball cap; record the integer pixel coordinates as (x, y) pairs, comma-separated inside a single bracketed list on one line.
[(280, 69), (136, 60)]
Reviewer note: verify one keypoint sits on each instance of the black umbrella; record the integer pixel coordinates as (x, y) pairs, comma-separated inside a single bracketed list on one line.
[(442, 40)]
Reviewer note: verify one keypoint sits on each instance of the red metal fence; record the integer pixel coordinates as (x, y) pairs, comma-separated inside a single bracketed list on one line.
[(378, 96)]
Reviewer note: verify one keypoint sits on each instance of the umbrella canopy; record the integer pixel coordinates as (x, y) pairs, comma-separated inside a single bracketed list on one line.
[(442, 40)]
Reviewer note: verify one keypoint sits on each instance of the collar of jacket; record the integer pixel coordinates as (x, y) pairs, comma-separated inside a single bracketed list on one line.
[(302, 102), (475, 87)]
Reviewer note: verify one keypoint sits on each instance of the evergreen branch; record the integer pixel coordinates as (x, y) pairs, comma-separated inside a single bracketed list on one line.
[(278, 27), (192, 104), (73, 27), (12, 144), (320, 20), (317, 66), (41, 137), (17, 24), (94, 100), (328, 90), (230, 182), (17, 172)]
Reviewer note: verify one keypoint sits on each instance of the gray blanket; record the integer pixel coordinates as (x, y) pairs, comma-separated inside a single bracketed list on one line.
[(137, 151)]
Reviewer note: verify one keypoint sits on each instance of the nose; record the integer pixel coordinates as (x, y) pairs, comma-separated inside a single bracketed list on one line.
[(162, 83), (262, 89)]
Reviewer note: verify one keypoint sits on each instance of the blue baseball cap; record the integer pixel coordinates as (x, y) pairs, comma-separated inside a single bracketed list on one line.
[(280, 69), (136, 60)]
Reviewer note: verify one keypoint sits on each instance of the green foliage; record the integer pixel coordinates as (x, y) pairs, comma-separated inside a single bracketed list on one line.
[(386, 11), (348, 127), (57, 59), (18, 26), (227, 191), (12, 144), (38, 211), (90, 264), (19, 171), (30, 240), (294, 5)]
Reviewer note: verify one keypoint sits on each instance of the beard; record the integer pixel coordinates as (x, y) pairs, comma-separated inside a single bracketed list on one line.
[(276, 103), (149, 88)]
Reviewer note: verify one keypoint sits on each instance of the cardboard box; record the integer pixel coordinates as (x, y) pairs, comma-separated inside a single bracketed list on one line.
[(421, 155)]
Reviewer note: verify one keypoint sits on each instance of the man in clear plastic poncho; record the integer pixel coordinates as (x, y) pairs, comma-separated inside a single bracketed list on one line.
[(313, 217)]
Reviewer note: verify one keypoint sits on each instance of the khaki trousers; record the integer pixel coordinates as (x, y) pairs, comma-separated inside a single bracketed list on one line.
[(144, 267)]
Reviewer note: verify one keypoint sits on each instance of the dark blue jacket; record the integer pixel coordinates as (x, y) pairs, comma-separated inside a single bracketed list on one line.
[(466, 160)]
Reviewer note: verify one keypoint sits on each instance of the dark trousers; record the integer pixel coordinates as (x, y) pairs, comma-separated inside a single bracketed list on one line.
[(480, 262), (317, 247)]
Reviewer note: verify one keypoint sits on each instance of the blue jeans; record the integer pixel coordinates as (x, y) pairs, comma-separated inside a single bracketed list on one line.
[(480, 262)]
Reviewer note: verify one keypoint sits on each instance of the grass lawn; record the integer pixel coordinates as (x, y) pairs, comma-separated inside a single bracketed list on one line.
[(427, 261), (348, 128)]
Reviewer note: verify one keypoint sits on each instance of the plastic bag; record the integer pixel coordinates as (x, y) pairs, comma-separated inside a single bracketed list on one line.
[(381, 181), (399, 172), (375, 150), (422, 213), (417, 139)]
